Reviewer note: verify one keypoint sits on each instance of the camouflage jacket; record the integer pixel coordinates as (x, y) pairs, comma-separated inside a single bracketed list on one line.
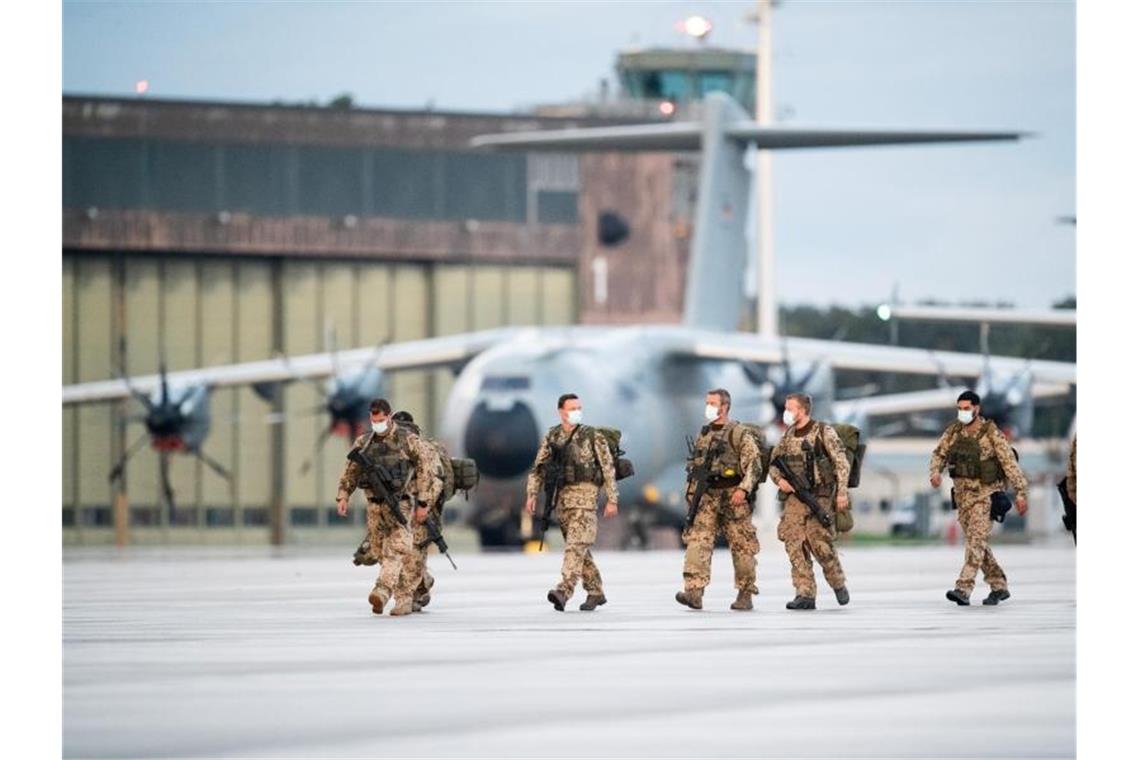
[(589, 451), (992, 444), (740, 453), (817, 435), (424, 483)]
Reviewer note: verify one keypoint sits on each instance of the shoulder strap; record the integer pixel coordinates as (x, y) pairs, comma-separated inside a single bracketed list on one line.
[(734, 432)]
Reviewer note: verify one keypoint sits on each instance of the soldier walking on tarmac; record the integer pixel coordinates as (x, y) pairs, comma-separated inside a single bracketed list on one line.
[(981, 462)]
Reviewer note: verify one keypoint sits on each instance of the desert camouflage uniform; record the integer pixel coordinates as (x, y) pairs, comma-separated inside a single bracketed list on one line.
[(802, 534), (577, 502), (716, 512), (425, 580), (391, 541), (972, 498)]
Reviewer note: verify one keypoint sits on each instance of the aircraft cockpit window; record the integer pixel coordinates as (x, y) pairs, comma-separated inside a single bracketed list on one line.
[(506, 383)]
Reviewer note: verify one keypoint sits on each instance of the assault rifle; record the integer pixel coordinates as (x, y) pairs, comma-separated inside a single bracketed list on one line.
[(378, 481), (554, 473), (435, 536), (702, 475), (802, 492)]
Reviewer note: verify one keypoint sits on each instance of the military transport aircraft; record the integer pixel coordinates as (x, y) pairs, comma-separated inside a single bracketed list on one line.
[(648, 380)]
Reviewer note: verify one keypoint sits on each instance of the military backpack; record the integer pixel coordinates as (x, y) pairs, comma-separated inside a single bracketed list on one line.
[(466, 474), (623, 468), (849, 436)]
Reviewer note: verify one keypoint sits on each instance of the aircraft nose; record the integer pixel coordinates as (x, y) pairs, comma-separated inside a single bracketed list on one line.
[(502, 443)]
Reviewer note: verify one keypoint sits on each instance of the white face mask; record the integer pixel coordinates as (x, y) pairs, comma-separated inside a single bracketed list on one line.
[(965, 416), (789, 417), (380, 427), (711, 412), (574, 416)]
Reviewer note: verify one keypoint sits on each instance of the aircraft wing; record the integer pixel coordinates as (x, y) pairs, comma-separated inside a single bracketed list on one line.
[(447, 351), (750, 347), (922, 401), (1054, 317), (686, 136)]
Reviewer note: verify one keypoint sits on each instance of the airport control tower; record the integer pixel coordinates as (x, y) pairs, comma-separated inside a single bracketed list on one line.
[(640, 278), (672, 79)]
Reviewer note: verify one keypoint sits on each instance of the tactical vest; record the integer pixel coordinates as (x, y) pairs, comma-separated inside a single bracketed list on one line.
[(811, 462), (389, 452), (727, 462), (579, 462), (965, 457)]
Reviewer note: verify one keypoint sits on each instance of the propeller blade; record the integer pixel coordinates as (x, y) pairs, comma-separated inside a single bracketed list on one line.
[(317, 385), (122, 370), (167, 491), (324, 436), (372, 360), (785, 360), (807, 377), (165, 386), (117, 470), (943, 378), (213, 464)]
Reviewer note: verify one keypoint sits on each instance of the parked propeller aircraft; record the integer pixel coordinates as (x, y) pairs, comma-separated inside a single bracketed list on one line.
[(649, 380)]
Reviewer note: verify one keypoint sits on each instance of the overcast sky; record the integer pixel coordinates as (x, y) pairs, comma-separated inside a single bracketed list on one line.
[(976, 222)]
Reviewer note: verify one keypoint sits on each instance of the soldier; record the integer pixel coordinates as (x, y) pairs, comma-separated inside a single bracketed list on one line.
[(420, 534), (724, 506), (813, 451), (586, 465), (415, 466), (981, 463)]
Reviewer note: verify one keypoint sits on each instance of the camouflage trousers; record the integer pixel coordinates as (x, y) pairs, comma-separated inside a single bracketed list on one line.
[(804, 537), (578, 515), (974, 517), (718, 513), (393, 544), (424, 579)]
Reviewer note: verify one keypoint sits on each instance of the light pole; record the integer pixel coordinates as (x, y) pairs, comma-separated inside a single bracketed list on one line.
[(766, 309)]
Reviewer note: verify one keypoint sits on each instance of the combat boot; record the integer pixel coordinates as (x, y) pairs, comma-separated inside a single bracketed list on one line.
[(842, 596), (378, 598), (402, 608), (592, 602), (557, 598), (801, 603), (743, 601), (959, 597), (996, 595), (425, 598), (690, 598)]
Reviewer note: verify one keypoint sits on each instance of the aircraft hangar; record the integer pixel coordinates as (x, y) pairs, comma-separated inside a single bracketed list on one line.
[(200, 233)]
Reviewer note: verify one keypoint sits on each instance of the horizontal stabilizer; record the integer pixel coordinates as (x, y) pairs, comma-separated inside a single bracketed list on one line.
[(686, 136), (669, 136), (782, 138)]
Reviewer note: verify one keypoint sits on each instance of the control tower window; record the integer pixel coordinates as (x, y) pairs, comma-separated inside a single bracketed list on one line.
[(670, 85), (715, 81)]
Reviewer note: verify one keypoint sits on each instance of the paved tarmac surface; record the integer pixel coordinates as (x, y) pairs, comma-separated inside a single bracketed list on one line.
[(257, 653)]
